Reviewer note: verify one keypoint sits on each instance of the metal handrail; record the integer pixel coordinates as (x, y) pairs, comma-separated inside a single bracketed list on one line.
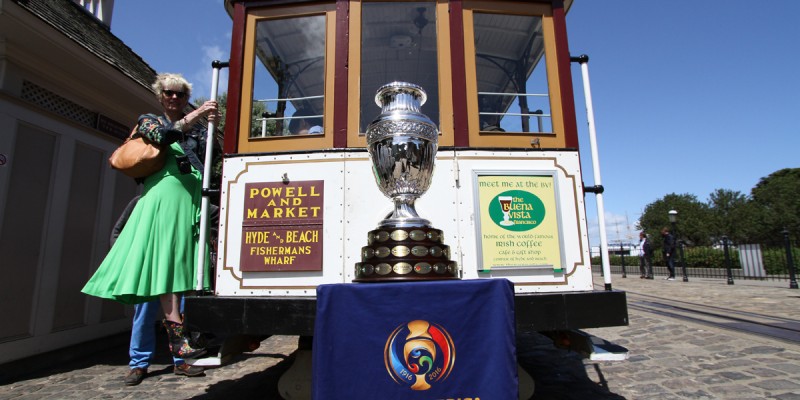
[(513, 94), (288, 99)]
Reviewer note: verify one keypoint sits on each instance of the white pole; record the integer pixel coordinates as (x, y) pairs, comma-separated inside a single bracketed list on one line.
[(201, 246), (601, 220)]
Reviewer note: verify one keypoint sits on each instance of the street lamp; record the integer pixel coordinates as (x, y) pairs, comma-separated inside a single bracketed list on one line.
[(673, 218), (789, 259)]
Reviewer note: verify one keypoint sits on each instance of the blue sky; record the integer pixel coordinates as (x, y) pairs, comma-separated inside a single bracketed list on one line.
[(182, 36), (688, 96)]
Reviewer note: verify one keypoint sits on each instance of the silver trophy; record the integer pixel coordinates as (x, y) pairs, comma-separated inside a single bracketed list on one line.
[(402, 144)]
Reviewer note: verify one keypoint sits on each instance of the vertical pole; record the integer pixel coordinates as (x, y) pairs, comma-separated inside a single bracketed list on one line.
[(622, 259), (727, 260), (602, 273), (601, 220), (673, 255), (789, 259), (216, 65), (683, 261), (679, 247)]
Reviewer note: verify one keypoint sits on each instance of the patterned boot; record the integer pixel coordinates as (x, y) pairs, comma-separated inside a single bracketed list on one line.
[(179, 343)]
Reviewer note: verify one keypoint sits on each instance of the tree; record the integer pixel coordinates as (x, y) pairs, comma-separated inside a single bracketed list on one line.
[(777, 205), (732, 215), (694, 219), (773, 205)]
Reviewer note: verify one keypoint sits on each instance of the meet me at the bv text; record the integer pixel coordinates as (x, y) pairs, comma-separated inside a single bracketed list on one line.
[(284, 202)]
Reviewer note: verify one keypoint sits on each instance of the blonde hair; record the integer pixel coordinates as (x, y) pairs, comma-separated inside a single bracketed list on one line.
[(170, 79)]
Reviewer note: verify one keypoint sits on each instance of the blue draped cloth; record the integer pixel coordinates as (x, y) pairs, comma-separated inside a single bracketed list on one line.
[(415, 340)]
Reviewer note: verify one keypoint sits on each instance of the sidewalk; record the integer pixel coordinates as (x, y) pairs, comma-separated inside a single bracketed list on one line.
[(759, 296), (668, 358), (101, 377), (675, 359)]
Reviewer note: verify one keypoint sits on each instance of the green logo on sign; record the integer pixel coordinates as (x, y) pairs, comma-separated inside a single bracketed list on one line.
[(517, 210)]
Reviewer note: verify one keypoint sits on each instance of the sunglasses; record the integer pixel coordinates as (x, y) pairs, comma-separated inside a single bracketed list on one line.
[(170, 93)]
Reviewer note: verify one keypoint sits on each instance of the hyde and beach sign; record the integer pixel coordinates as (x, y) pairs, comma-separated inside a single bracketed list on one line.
[(282, 226), (518, 222)]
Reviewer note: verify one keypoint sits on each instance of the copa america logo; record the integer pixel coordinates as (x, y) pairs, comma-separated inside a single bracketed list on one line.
[(419, 353)]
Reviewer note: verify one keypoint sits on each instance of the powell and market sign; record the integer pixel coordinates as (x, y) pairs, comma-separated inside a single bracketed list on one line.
[(282, 226)]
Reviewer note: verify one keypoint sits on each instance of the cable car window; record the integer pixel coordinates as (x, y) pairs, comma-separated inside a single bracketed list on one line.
[(511, 74), (289, 77), (398, 43)]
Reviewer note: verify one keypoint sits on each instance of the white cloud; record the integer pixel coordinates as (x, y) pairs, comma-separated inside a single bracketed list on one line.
[(619, 228), (214, 53), (202, 77)]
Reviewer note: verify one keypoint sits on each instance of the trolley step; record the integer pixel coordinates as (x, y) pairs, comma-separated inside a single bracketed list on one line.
[(589, 346)]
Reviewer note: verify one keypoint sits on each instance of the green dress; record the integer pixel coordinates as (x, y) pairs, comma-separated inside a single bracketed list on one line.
[(156, 252)]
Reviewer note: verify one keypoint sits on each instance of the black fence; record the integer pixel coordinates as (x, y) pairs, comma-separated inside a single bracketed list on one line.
[(724, 261)]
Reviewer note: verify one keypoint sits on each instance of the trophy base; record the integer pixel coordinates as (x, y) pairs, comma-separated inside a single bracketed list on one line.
[(405, 254)]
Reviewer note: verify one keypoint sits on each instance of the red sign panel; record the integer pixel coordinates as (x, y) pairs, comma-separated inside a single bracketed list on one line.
[(282, 226)]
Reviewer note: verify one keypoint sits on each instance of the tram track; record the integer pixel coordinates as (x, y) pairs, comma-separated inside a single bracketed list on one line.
[(767, 326)]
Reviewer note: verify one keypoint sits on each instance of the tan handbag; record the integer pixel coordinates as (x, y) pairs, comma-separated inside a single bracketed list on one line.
[(137, 157)]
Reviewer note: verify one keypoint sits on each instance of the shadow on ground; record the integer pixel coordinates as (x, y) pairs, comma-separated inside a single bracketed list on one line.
[(264, 383), (558, 374), (112, 350)]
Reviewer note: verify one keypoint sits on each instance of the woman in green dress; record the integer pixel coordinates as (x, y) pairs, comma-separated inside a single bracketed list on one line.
[(155, 255)]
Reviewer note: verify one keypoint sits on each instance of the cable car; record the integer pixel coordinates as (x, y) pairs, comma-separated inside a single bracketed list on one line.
[(298, 197)]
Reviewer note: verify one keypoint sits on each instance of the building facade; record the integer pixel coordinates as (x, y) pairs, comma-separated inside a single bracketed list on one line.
[(69, 92)]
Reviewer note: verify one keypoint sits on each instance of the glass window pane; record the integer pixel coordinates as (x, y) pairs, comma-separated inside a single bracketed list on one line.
[(398, 43), (289, 78), (511, 74)]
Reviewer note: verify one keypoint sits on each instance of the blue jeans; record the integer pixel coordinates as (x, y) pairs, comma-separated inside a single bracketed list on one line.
[(671, 265), (143, 335)]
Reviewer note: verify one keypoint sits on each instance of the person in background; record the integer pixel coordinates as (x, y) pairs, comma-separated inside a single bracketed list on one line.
[(669, 252), (645, 257), (305, 126), (155, 255), (143, 335)]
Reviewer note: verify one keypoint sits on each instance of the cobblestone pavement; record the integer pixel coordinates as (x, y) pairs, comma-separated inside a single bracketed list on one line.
[(675, 359), (668, 358)]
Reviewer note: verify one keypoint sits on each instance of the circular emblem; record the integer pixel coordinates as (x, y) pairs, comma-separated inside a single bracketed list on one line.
[(400, 251), (383, 269), (367, 253), (382, 252), (402, 268), (440, 268), (399, 235), (422, 268), (381, 236), (367, 269), (419, 251), (451, 268), (436, 251), (419, 354), (417, 234), (434, 236)]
